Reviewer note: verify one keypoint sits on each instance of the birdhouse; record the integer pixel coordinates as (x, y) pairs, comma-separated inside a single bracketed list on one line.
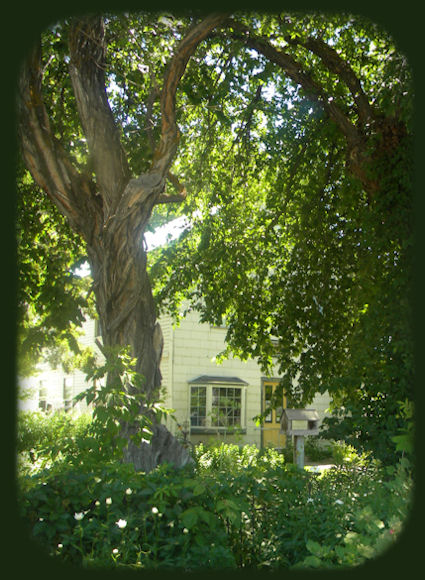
[(299, 422)]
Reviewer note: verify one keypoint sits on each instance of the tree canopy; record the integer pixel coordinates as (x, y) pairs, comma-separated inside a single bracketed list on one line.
[(293, 161)]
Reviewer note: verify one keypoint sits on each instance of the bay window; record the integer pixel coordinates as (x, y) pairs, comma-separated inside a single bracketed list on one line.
[(217, 403)]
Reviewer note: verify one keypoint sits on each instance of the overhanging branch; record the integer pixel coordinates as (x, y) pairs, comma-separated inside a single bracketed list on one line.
[(295, 71), (151, 185), (336, 64), (175, 70)]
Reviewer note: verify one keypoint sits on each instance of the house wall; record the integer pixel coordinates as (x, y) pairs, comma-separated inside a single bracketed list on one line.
[(192, 350), (53, 380), (189, 351)]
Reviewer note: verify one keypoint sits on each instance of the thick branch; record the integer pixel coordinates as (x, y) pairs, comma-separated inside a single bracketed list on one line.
[(147, 189), (49, 164), (87, 50), (294, 70), (336, 64), (177, 197), (176, 67)]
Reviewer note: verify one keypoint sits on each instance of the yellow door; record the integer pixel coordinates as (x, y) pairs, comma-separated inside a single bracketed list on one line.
[(271, 436)]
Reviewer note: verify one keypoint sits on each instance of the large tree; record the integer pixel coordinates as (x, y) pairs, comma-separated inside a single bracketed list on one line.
[(295, 139), (305, 246)]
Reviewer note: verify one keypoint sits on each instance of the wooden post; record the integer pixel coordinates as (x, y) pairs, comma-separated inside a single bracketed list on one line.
[(299, 451)]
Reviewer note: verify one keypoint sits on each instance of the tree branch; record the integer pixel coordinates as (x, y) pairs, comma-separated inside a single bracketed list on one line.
[(49, 164), (86, 43), (176, 67), (295, 71), (152, 184), (336, 64), (176, 198)]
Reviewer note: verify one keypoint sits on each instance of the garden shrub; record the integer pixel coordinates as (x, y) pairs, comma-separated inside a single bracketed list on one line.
[(120, 517), (316, 449), (236, 507), (234, 458), (344, 454), (45, 438), (39, 431), (377, 507)]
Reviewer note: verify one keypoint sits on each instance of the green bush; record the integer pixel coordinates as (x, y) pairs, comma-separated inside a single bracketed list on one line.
[(118, 517), (343, 454), (236, 507), (377, 507), (43, 439), (314, 450), (39, 431), (233, 458)]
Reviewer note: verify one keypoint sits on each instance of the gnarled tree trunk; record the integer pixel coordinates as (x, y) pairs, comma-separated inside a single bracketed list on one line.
[(127, 315), (112, 212)]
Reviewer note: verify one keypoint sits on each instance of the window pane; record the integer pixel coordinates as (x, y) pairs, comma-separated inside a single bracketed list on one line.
[(268, 391), (198, 409), (67, 393), (279, 403), (226, 406), (42, 396)]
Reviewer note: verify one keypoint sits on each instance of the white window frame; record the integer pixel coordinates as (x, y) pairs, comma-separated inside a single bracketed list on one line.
[(209, 424)]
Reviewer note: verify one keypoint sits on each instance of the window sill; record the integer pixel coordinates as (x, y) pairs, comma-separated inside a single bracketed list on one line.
[(217, 430)]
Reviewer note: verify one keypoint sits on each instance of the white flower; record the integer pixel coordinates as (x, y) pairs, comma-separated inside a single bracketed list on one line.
[(171, 525), (108, 500), (339, 502), (97, 502), (128, 491), (60, 546), (78, 516), (121, 523), (115, 551), (155, 510), (310, 500), (185, 531)]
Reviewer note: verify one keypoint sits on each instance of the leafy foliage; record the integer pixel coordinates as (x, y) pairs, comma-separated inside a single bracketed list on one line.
[(117, 404), (233, 508), (307, 268), (52, 299), (44, 439)]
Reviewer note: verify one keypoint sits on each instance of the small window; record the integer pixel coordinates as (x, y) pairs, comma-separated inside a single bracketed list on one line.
[(67, 393), (97, 328), (268, 392), (273, 397), (226, 407), (42, 396)]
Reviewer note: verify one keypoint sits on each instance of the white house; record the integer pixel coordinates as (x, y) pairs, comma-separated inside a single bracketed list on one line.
[(210, 400)]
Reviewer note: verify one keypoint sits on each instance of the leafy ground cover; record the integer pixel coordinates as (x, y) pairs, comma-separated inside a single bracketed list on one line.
[(235, 507)]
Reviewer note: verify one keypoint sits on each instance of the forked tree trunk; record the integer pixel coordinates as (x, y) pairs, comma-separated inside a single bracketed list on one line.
[(112, 211)]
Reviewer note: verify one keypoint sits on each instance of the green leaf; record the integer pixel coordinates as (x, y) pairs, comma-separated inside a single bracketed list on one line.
[(189, 517), (312, 562), (315, 548)]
